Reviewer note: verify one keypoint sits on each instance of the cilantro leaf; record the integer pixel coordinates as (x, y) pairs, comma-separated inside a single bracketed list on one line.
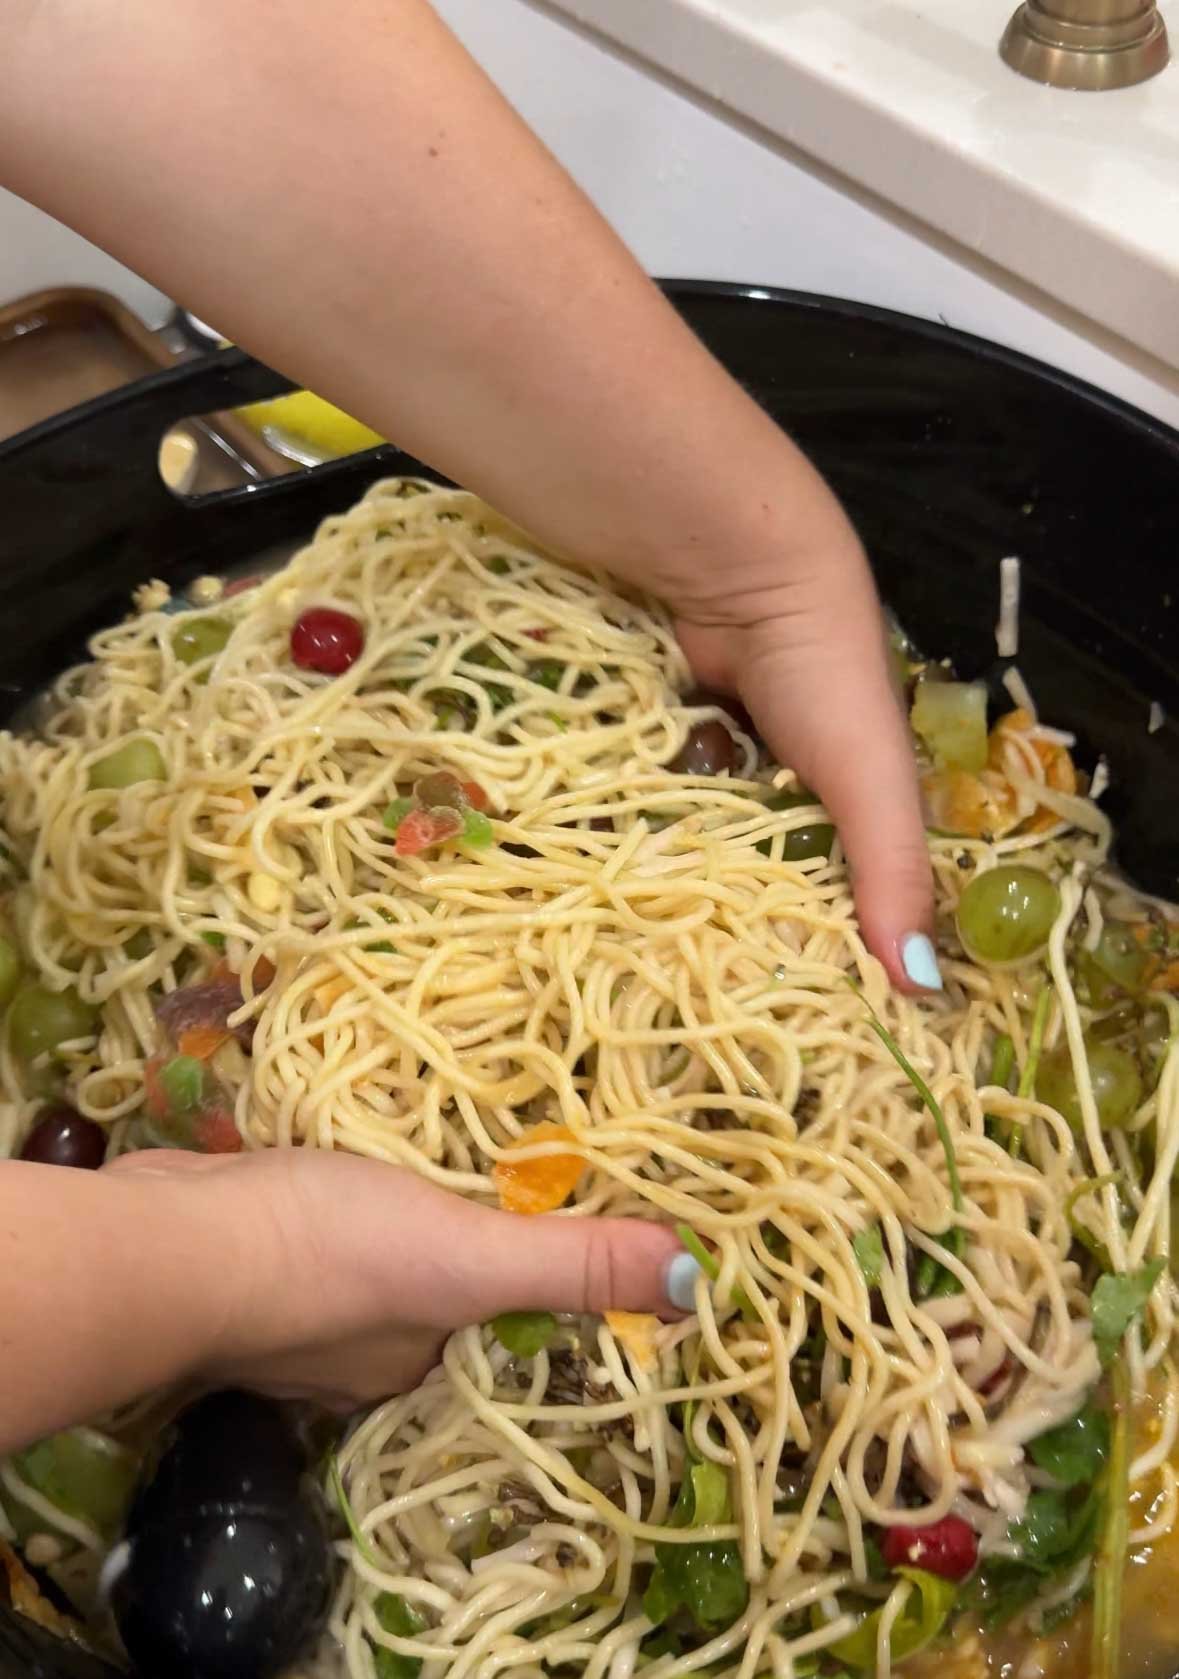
[(708, 1579), (403, 1621), (1074, 1452), (1117, 1301)]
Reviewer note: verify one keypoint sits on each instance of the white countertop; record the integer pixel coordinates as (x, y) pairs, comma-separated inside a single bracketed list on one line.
[(1075, 193)]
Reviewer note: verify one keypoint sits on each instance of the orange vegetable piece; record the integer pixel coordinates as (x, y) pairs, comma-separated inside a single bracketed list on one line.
[(543, 1184), (202, 1042), (635, 1333), (1059, 771)]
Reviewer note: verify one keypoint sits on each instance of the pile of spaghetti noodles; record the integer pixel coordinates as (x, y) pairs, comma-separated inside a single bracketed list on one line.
[(611, 985)]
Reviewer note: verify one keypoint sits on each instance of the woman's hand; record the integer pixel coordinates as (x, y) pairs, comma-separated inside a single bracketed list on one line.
[(443, 279), (294, 1271), (804, 647), (346, 1275)]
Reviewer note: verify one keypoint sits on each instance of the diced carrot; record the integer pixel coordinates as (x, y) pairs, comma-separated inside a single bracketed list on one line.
[(635, 1332), (476, 797), (542, 1184), (1167, 979), (203, 1042)]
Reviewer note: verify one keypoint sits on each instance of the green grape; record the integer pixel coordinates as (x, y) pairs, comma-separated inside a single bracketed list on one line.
[(200, 638), (139, 760), (9, 972), (1117, 964), (1006, 914), (1117, 1084), (813, 840), (40, 1019)]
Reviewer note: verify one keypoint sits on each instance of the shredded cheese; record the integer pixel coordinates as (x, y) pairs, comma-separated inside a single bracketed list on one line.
[(1007, 629)]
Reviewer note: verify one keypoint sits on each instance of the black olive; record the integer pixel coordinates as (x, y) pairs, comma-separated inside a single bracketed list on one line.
[(709, 750), (61, 1137), (227, 1568)]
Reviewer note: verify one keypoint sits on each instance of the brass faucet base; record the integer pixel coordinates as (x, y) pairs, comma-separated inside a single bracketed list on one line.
[(1049, 46)]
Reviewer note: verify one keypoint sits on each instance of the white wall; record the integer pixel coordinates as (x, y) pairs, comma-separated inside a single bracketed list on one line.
[(37, 252), (695, 196)]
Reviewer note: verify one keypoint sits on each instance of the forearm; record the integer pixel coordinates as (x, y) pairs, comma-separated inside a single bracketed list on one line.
[(105, 1294), (344, 192)]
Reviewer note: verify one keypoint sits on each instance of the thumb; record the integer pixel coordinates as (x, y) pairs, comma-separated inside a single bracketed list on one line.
[(557, 1264)]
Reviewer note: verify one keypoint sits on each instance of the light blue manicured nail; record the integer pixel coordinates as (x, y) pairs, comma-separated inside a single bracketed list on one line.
[(682, 1273), (920, 962)]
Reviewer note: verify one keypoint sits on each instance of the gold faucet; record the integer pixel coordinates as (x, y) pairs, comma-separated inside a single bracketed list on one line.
[(1091, 44)]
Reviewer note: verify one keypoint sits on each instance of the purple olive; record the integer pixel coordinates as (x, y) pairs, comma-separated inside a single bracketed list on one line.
[(61, 1137), (724, 702), (709, 750)]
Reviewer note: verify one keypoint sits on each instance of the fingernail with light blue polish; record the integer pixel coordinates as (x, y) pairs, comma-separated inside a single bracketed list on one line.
[(682, 1272), (920, 962)]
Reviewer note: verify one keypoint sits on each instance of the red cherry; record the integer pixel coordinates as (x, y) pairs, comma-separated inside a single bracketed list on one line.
[(326, 640), (948, 1548)]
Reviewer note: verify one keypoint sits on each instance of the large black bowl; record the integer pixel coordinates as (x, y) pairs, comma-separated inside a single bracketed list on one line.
[(949, 452)]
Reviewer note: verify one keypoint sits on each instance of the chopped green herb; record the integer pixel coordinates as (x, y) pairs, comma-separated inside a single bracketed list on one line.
[(706, 1579), (403, 1621), (1003, 1060), (868, 1247), (927, 1096), (1057, 1529), (1117, 1301), (1074, 1452), (548, 672), (524, 1334), (215, 940), (1027, 1078), (1002, 1067), (358, 1539), (935, 1281), (707, 1263)]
